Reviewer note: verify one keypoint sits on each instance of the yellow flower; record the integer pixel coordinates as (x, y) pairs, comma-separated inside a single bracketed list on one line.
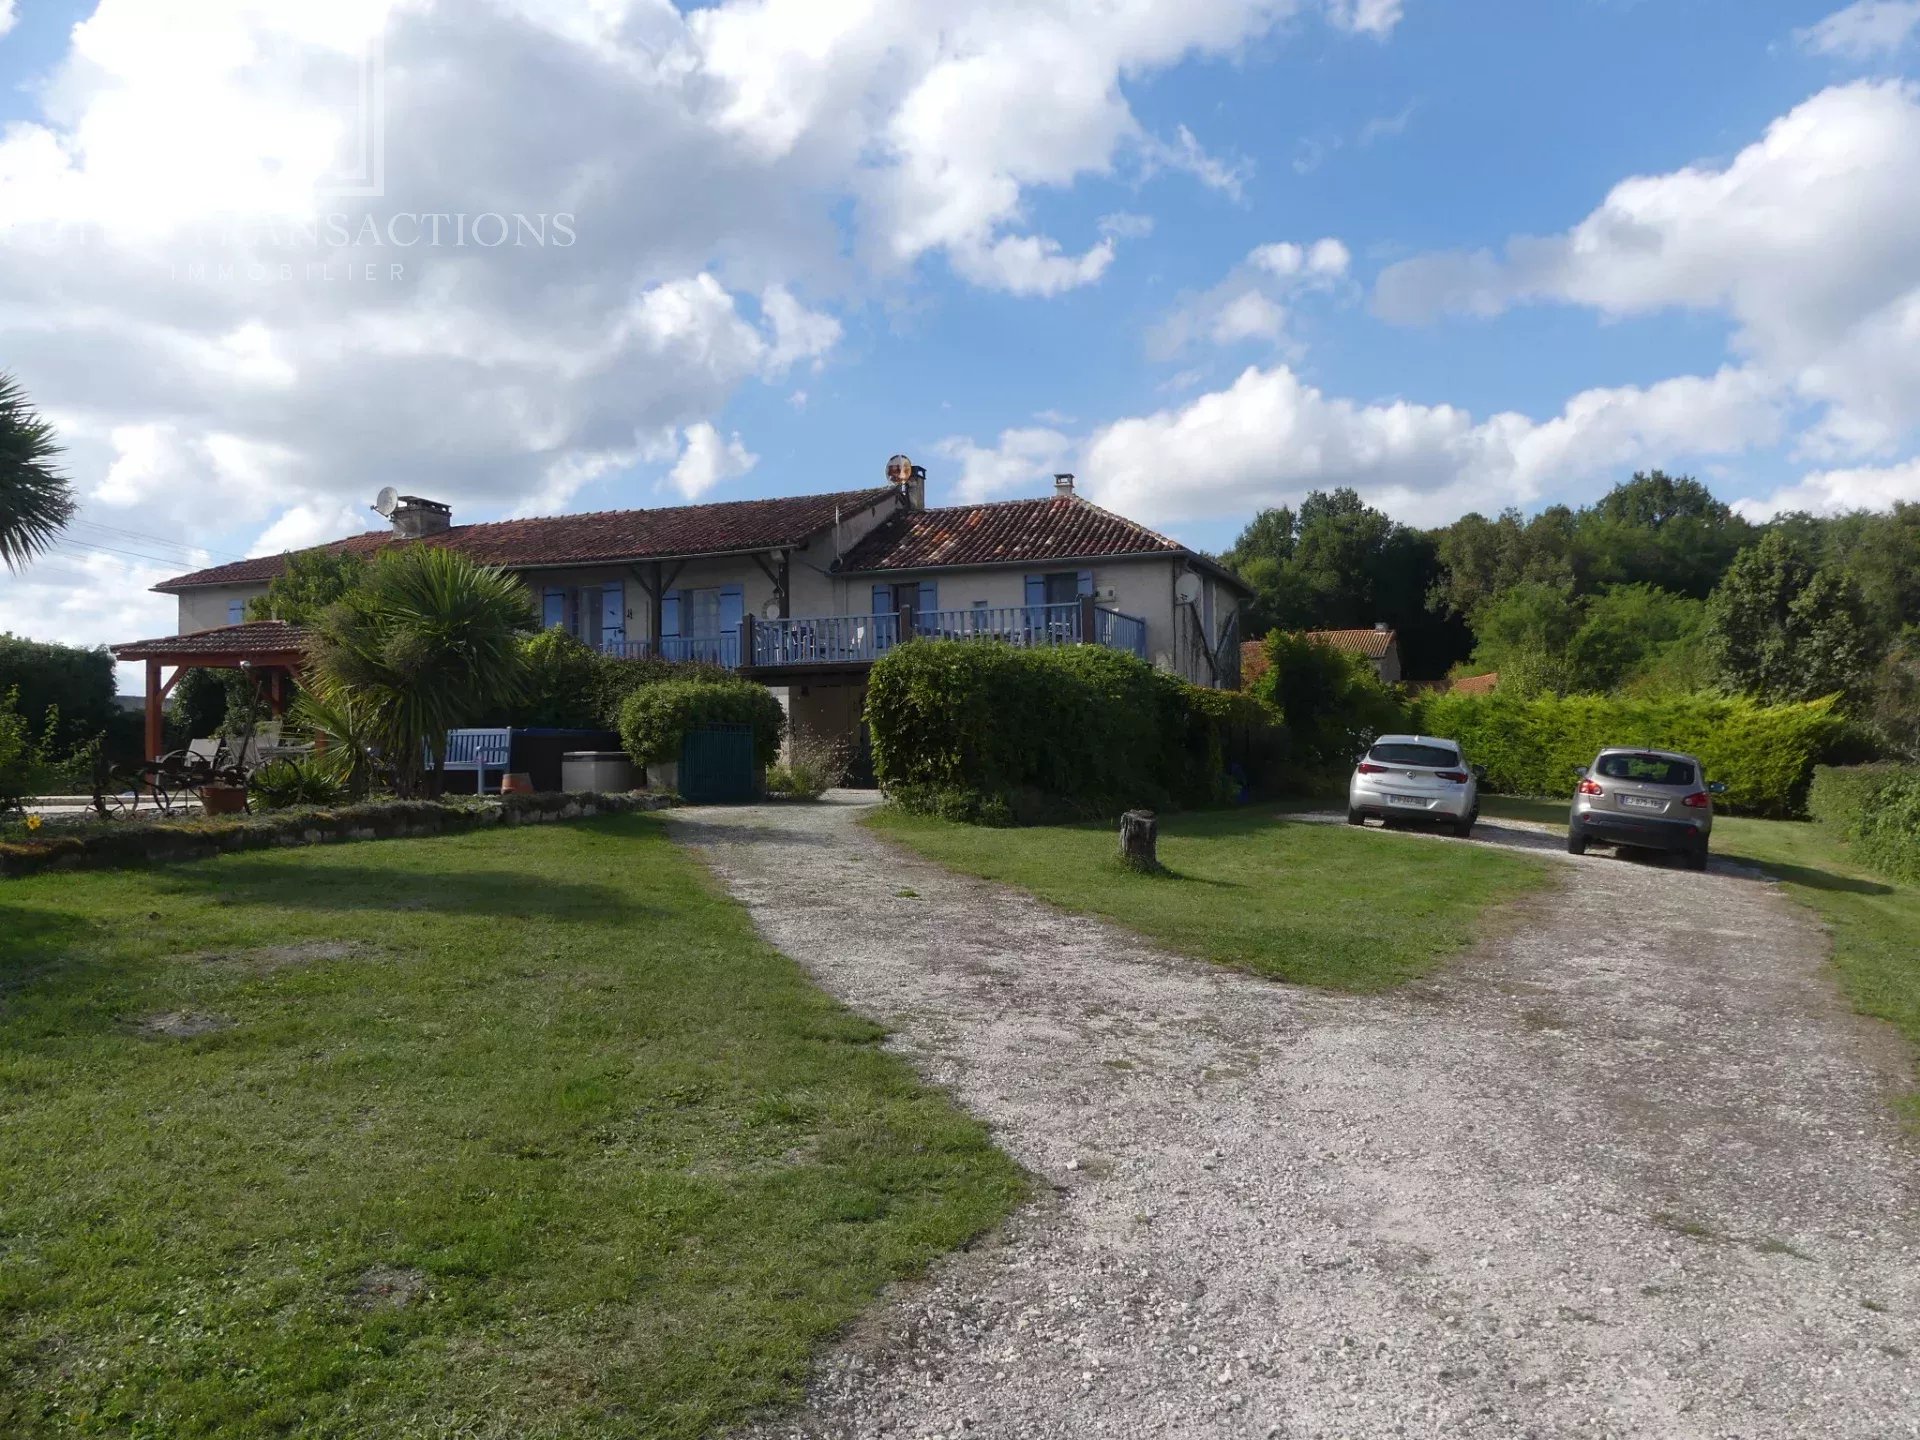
[(34, 822)]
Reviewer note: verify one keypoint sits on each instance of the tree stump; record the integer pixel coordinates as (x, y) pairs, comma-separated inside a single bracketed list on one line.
[(1140, 841)]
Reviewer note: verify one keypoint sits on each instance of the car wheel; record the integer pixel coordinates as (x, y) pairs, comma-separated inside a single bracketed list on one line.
[(1354, 817), (1697, 858), (1576, 843), (1464, 828)]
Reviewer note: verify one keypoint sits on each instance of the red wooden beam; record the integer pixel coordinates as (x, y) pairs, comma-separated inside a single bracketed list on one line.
[(154, 695)]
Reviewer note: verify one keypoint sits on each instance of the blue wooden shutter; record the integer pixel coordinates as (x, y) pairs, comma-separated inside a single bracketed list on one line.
[(670, 614), (733, 608), (236, 612), (883, 599), (928, 600), (1036, 589), (553, 608), (1086, 583), (613, 613)]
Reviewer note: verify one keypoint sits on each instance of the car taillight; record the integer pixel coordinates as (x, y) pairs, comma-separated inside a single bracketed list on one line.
[(1366, 769), (1459, 777), (1590, 787), (1699, 800)]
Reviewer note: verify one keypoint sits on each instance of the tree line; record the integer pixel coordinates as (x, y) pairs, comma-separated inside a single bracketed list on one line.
[(1657, 589)]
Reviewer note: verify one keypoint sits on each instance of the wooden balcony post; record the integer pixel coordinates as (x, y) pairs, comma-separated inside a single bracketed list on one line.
[(1088, 632), (746, 639)]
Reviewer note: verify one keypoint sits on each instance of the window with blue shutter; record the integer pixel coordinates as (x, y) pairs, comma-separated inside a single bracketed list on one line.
[(733, 610), (236, 612), (670, 625), (1085, 586), (928, 600), (553, 609)]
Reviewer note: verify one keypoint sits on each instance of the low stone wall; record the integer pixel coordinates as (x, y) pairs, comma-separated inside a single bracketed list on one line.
[(166, 842)]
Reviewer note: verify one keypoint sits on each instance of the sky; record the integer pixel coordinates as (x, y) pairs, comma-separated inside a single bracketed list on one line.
[(261, 258)]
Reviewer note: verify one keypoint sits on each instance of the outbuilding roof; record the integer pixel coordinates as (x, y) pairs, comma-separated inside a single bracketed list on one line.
[(266, 639)]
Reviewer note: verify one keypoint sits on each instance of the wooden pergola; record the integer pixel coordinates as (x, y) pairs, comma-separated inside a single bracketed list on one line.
[(273, 648)]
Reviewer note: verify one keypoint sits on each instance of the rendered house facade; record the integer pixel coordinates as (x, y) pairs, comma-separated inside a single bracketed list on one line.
[(803, 593)]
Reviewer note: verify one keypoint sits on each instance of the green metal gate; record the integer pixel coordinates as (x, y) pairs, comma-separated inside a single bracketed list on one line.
[(716, 765)]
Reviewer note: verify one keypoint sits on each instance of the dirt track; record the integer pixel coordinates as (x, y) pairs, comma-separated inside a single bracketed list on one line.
[(1628, 1169)]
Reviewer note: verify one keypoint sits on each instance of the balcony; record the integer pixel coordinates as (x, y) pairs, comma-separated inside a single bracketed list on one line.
[(826, 642)]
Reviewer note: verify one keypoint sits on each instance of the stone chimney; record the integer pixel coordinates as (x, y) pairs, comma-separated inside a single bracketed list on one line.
[(415, 517), (910, 479), (1062, 485), (1381, 627)]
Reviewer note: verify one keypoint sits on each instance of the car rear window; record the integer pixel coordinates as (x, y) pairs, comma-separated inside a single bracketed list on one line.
[(1434, 756), (1646, 769)]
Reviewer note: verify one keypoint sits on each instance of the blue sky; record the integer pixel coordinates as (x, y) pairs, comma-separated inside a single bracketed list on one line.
[(1004, 238)]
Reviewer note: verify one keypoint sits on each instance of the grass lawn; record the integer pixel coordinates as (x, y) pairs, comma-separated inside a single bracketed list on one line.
[(515, 1134), (1875, 922), (1310, 903)]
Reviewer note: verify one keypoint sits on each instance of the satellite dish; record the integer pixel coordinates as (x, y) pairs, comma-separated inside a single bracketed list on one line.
[(771, 610), (1187, 588), (387, 500)]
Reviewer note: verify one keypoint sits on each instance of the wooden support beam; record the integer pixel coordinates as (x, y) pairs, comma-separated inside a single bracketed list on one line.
[(155, 735)]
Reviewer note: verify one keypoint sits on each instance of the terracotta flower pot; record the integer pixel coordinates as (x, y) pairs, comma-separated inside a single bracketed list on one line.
[(223, 799), (516, 782)]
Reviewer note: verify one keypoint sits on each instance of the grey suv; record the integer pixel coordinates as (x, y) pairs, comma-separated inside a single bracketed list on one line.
[(1654, 799)]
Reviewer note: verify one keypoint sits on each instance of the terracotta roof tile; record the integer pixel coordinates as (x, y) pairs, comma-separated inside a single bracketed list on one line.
[(1057, 528), (1371, 643), (603, 537), (256, 637)]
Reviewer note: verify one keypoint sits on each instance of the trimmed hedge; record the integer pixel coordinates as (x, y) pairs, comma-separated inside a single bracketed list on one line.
[(656, 718), (117, 844), (1764, 753), (1876, 809), (999, 734)]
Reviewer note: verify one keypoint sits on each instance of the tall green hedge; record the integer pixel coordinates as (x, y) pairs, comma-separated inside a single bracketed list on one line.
[(1876, 808), (77, 682), (656, 718), (1764, 753), (996, 733)]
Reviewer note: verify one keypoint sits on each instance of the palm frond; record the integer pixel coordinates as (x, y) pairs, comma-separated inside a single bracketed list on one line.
[(35, 500)]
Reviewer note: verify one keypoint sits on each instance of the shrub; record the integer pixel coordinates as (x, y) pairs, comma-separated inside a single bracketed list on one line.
[(287, 783), (16, 751), (1765, 753), (993, 734), (814, 765), (79, 683), (616, 677), (559, 675), (1876, 808), (1331, 702), (656, 718)]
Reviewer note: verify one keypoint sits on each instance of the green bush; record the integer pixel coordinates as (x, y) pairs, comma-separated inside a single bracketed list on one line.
[(79, 683), (1332, 702), (561, 674), (1765, 753), (995, 734), (1876, 808), (616, 677), (656, 718), (16, 751)]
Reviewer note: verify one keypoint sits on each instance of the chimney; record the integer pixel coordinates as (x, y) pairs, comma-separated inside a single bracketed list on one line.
[(911, 480), (1062, 485), (1381, 627), (415, 517)]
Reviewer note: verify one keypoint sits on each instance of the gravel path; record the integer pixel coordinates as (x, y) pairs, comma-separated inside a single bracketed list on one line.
[(1628, 1169)]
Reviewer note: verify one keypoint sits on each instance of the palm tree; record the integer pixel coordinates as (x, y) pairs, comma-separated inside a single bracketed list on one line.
[(35, 501), (427, 642)]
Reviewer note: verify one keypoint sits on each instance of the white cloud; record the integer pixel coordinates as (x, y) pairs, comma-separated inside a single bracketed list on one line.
[(1834, 492), (1010, 465), (1365, 17), (7, 16), (709, 459), (1125, 225), (1809, 239), (1269, 437), (312, 524), (1186, 154), (1863, 30), (1251, 303), (1031, 265)]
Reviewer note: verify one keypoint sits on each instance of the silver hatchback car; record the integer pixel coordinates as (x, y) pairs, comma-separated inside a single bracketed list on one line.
[(1415, 777), (1653, 799)]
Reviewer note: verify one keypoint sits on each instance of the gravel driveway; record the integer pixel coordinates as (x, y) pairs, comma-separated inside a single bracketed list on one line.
[(1627, 1169)]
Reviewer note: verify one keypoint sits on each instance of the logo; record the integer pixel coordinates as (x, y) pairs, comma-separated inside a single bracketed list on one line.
[(362, 170)]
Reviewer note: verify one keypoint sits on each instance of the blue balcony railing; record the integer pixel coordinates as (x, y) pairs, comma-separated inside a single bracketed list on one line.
[(861, 639)]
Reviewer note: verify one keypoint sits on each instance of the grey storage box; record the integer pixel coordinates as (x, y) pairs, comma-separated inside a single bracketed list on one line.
[(600, 772)]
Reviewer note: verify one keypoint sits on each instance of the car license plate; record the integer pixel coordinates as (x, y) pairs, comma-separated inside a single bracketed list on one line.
[(1641, 802), (1414, 800)]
